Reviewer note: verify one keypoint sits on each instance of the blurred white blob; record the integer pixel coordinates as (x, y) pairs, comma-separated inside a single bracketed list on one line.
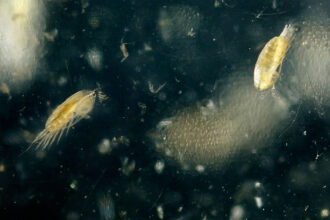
[(94, 58), (324, 213), (159, 166), (258, 201), (104, 146), (178, 22), (21, 33), (160, 212), (236, 213), (106, 208), (200, 168), (179, 27), (128, 166), (240, 120), (308, 63)]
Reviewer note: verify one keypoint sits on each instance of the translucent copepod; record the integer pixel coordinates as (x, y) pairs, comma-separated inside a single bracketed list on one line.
[(70, 112), (267, 68)]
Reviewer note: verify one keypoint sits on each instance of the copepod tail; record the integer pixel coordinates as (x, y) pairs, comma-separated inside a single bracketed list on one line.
[(35, 143)]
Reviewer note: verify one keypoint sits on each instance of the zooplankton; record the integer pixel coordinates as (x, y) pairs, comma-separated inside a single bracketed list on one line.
[(66, 115), (267, 68)]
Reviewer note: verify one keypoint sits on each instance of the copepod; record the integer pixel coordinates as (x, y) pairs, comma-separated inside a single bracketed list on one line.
[(70, 112), (268, 66)]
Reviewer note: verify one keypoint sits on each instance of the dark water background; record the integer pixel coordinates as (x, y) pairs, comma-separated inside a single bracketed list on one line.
[(294, 180)]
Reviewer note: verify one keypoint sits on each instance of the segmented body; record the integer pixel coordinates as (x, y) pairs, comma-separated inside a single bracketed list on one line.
[(266, 71), (67, 114)]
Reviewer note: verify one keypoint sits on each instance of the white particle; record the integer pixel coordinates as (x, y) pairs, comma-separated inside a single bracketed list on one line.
[(258, 201), (236, 213), (104, 146), (324, 213), (200, 168), (159, 166), (160, 212), (95, 59)]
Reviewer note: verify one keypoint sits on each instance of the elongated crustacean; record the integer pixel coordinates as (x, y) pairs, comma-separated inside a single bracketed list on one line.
[(267, 68), (66, 115)]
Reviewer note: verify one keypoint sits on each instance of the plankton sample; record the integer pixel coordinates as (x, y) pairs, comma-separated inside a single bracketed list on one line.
[(267, 69), (70, 112)]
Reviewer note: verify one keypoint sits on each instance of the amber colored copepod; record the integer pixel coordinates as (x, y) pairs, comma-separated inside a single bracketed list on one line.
[(66, 115), (267, 68)]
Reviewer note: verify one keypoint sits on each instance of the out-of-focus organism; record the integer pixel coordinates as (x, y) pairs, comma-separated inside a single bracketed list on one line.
[(2, 168), (268, 66), (116, 141), (209, 136), (237, 213), (309, 64), (128, 166), (124, 51), (94, 58), (159, 166), (70, 112), (104, 146), (21, 35), (160, 212), (106, 208), (175, 22), (84, 6), (5, 89), (179, 27)]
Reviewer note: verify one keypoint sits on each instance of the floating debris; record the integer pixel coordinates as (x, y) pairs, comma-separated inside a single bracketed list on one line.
[(258, 201), (155, 91), (5, 90), (104, 146), (120, 140), (127, 166), (50, 36), (324, 213), (95, 59), (200, 168), (160, 212), (74, 185), (106, 208), (2, 168), (237, 213), (124, 51), (159, 166)]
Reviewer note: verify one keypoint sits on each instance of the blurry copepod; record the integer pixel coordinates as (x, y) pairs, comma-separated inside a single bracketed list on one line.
[(267, 68), (66, 115), (234, 123)]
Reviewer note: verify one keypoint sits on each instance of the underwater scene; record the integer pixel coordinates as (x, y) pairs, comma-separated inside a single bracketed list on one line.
[(179, 110)]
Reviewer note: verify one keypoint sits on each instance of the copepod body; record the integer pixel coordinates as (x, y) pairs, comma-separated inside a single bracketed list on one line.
[(66, 115), (267, 68)]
